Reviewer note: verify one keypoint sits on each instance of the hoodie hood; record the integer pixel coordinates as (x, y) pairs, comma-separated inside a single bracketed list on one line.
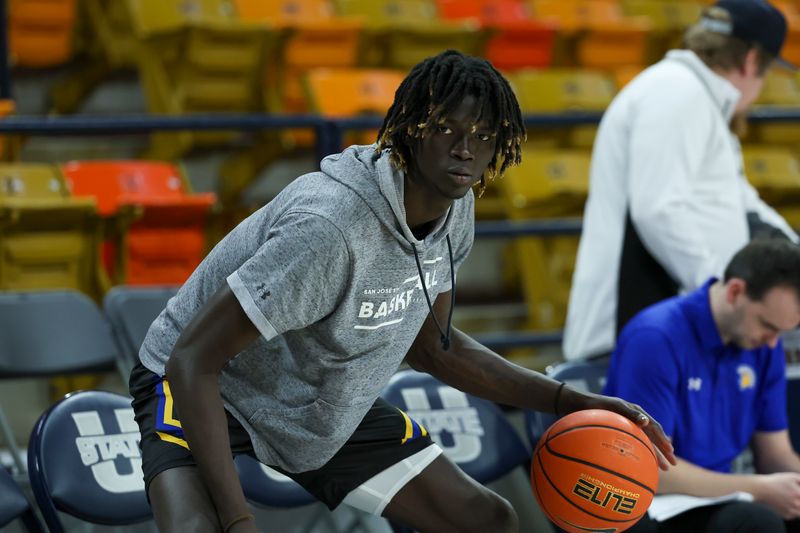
[(370, 175)]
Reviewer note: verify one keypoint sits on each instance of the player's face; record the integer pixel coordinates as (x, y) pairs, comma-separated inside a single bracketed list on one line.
[(453, 155), (760, 322)]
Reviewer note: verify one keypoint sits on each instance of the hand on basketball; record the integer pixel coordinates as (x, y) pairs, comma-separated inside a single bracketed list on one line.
[(650, 426)]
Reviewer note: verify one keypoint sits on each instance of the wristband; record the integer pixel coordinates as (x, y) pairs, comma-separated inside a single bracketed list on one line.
[(558, 396)]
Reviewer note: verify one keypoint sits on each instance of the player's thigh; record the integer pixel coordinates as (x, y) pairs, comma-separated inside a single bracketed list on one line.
[(442, 498), (181, 502)]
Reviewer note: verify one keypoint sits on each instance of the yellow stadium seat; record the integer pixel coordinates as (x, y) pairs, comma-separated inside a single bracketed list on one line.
[(780, 89), (669, 20), (401, 33), (546, 184), (774, 171), (48, 240), (196, 57), (558, 90), (40, 32)]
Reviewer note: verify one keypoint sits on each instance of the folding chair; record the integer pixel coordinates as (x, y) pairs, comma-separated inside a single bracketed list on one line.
[(84, 460), (473, 432), (44, 334), (587, 375), (266, 487), (15, 506), (131, 310)]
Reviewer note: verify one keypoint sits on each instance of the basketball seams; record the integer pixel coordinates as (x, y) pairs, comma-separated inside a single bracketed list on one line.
[(599, 467), (644, 443), (569, 500)]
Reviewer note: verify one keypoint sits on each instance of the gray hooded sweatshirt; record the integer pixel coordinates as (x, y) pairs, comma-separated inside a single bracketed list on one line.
[(326, 272)]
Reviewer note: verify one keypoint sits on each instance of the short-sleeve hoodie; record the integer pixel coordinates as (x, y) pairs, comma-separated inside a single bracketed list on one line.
[(326, 272)]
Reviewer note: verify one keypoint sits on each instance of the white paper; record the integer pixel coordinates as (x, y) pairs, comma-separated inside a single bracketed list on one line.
[(666, 506)]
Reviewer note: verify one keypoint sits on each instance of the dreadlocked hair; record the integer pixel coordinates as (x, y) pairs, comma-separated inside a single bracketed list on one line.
[(436, 87)]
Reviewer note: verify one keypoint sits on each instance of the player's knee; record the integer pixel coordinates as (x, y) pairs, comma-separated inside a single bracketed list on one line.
[(493, 513)]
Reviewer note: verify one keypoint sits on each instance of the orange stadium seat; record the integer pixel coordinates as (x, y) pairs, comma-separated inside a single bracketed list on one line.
[(40, 32), (349, 92), (600, 35), (166, 242), (517, 40)]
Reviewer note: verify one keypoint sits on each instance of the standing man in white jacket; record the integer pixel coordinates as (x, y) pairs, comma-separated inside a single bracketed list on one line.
[(669, 203)]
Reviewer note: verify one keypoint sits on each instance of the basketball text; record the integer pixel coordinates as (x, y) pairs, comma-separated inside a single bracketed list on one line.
[(605, 496)]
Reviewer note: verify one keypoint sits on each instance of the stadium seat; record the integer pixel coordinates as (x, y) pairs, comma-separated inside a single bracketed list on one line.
[(669, 20), (775, 172), (401, 33), (131, 310), (51, 333), (317, 38), (560, 90), (548, 183), (196, 57), (473, 432), (600, 35), (268, 488), (166, 242), (517, 41), (47, 238), (587, 376), (14, 505), (84, 460), (40, 32)]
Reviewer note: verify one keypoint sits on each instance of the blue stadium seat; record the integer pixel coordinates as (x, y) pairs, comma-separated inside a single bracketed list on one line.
[(51, 333), (14, 505), (587, 375), (131, 310), (84, 460), (473, 432)]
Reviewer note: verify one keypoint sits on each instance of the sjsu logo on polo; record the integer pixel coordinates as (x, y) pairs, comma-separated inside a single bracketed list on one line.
[(99, 449)]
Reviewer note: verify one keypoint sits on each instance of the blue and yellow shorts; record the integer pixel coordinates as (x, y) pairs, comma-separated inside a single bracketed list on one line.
[(385, 437)]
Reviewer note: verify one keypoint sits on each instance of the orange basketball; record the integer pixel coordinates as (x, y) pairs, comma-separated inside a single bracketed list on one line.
[(594, 470)]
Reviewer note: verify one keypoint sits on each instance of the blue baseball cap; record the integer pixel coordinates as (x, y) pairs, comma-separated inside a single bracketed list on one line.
[(754, 21)]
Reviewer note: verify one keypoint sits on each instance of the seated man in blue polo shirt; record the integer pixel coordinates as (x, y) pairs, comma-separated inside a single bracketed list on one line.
[(710, 367)]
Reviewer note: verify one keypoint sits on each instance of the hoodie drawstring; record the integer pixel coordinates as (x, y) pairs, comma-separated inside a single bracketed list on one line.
[(444, 335)]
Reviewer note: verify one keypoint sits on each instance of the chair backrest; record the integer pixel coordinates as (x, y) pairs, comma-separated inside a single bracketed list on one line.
[(772, 168), (14, 505), (131, 311), (52, 332), (348, 92), (41, 31), (84, 460), (389, 11), (284, 11), (264, 486), (473, 432), (585, 375)]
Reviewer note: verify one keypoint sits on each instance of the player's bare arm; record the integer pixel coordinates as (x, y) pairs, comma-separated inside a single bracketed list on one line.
[(218, 332), (473, 368)]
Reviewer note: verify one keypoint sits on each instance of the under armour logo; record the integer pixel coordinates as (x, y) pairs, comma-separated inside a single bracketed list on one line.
[(99, 450), (695, 383), (457, 419)]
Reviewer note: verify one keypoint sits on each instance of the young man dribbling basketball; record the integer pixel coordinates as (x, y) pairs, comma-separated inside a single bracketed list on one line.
[(282, 340)]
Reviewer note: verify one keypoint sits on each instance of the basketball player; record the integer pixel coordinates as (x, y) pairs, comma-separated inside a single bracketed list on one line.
[(710, 366), (281, 341)]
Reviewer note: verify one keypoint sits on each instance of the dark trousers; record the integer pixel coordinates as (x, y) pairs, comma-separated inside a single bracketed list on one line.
[(735, 517)]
